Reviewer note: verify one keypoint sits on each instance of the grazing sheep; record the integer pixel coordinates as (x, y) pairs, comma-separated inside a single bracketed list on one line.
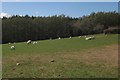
[(34, 42), (59, 38), (12, 47), (70, 37), (89, 38), (93, 37), (80, 36), (52, 60), (29, 41), (17, 64), (9, 43)]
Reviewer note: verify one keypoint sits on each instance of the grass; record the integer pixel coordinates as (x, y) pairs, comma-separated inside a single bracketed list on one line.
[(73, 57)]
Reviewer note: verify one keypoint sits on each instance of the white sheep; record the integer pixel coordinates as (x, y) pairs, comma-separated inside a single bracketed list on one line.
[(80, 36), (9, 43), (29, 41), (34, 42), (89, 38), (12, 47), (17, 64), (59, 38), (70, 37), (93, 37)]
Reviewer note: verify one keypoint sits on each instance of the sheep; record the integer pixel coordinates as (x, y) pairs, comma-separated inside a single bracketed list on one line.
[(85, 36), (17, 64), (80, 36), (12, 47), (93, 37), (34, 42), (52, 60), (70, 37), (59, 38), (29, 41), (89, 38), (9, 43)]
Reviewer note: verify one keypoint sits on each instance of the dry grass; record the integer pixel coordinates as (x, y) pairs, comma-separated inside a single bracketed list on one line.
[(108, 55)]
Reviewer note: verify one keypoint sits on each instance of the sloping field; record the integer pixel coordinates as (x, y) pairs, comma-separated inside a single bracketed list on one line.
[(68, 58)]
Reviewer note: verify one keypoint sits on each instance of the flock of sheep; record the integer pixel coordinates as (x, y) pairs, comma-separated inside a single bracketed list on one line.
[(29, 41)]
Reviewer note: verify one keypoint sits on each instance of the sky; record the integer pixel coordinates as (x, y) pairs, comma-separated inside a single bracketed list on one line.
[(72, 9)]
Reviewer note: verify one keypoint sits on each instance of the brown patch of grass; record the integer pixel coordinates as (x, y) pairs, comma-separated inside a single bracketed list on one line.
[(107, 55)]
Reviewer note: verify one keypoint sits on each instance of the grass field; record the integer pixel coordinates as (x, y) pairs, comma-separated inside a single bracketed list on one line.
[(73, 58)]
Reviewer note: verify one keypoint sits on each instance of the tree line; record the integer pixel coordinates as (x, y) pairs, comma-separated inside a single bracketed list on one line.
[(22, 28)]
